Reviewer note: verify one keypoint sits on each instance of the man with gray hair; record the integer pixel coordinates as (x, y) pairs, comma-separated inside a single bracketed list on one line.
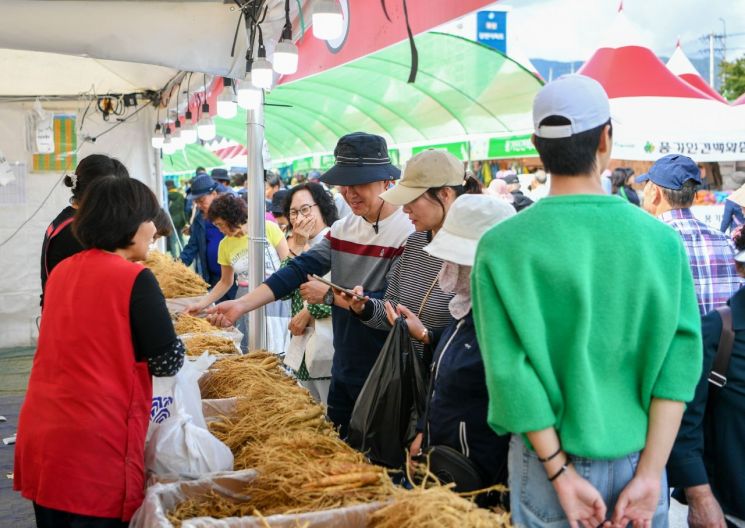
[(669, 191)]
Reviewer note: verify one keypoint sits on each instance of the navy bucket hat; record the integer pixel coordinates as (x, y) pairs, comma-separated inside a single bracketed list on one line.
[(361, 158)]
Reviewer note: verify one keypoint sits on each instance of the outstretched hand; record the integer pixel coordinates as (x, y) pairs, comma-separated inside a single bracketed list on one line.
[(225, 314)]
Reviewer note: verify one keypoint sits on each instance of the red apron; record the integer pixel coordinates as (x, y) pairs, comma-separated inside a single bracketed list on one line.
[(81, 431)]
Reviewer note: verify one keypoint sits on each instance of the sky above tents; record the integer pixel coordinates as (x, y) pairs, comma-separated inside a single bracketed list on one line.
[(571, 30)]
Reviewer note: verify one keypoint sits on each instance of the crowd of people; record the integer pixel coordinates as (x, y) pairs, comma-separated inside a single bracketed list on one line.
[(583, 342)]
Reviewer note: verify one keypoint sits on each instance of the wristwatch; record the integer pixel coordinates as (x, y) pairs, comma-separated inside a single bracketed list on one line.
[(328, 298)]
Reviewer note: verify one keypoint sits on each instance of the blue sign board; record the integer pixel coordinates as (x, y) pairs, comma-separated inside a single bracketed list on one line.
[(491, 29)]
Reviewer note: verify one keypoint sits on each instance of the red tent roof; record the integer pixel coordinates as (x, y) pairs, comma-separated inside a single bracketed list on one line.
[(681, 66), (740, 100), (634, 71)]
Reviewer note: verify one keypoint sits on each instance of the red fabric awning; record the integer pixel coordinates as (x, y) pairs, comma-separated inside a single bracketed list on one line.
[(634, 71), (367, 30)]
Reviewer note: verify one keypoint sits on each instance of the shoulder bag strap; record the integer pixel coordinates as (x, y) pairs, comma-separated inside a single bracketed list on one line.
[(426, 297), (718, 374)]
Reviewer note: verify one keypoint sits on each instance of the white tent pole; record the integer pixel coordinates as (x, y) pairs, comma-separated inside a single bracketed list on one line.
[(256, 326)]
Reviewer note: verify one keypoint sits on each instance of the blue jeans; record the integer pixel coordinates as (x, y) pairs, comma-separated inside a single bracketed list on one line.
[(533, 500)]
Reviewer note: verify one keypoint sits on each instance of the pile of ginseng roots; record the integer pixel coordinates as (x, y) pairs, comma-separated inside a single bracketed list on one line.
[(279, 430), (303, 465), (174, 279)]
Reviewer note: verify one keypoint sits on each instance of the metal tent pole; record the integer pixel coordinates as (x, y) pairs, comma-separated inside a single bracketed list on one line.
[(256, 326)]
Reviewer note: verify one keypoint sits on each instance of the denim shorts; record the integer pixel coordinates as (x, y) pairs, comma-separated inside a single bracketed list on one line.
[(533, 500)]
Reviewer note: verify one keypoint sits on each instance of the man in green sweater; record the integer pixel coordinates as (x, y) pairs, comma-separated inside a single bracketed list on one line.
[(589, 329)]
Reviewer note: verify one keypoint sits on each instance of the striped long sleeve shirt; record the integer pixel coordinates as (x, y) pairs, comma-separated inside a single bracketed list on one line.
[(711, 257), (409, 280), (354, 254)]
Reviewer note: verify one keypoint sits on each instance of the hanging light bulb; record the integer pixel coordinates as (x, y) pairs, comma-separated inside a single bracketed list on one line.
[(157, 140), (285, 57), (176, 140), (249, 97), (285, 54), (328, 20), (206, 127), (262, 73), (188, 132), (168, 146), (226, 107)]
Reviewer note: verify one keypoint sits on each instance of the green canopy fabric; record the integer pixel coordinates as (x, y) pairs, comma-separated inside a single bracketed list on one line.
[(188, 159), (462, 89)]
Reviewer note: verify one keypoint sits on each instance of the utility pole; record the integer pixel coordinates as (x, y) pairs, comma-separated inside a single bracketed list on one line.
[(711, 59), (715, 48), (724, 38)]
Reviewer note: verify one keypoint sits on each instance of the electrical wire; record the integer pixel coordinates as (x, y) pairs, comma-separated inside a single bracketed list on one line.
[(300, 16), (121, 122), (43, 202), (69, 167)]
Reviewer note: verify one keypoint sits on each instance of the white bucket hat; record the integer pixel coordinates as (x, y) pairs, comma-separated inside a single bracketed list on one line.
[(470, 216)]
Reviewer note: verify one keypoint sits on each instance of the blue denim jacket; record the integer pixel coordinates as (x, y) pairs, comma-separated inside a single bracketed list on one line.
[(196, 248)]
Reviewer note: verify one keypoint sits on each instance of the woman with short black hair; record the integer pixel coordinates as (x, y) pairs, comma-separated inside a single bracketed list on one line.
[(59, 241), (105, 332)]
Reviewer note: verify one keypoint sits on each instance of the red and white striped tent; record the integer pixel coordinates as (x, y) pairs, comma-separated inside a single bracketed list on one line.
[(681, 66), (655, 112)]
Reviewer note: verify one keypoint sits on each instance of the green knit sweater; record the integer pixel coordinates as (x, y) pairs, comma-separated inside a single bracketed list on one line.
[(585, 310)]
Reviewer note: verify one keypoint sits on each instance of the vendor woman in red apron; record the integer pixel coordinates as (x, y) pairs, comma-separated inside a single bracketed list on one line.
[(106, 329)]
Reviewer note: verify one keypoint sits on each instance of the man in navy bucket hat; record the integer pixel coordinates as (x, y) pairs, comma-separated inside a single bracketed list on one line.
[(360, 158), (359, 249), (669, 191)]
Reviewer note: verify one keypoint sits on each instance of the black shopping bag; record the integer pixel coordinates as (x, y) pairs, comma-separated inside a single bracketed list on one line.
[(385, 414)]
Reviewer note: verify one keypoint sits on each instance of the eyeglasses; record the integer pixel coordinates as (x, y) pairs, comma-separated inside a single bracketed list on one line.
[(304, 210)]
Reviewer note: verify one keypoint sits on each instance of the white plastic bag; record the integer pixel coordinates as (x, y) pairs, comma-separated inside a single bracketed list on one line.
[(319, 351), (178, 441), (179, 447), (316, 345)]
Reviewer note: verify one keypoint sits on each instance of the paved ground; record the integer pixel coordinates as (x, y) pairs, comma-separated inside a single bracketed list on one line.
[(15, 365)]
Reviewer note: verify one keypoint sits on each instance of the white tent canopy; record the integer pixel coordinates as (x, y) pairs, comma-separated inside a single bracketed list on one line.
[(183, 35), (702, 129), (655, 112), (51, 74)]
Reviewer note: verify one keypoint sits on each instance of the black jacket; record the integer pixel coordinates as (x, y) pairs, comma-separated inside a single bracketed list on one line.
[(711, 442), (520, 201), (59, 243), (458, 403)]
